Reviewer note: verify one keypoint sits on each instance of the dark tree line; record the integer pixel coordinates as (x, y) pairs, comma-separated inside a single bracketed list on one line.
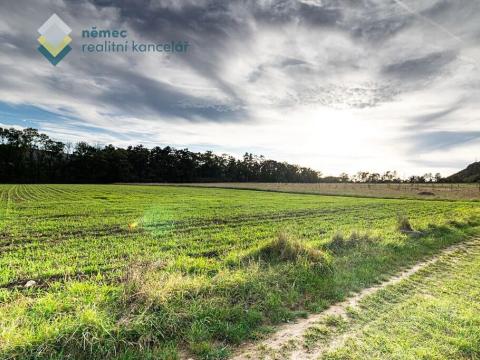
[(28, 156)]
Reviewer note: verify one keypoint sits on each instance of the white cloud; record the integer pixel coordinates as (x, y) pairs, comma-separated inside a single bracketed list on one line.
[(363, 91)]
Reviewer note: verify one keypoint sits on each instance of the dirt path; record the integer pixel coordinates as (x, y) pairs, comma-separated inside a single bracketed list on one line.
[(289, 342)]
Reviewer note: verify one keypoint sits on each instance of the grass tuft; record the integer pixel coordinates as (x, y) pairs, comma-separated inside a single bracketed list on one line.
[(339, 242), (283, 248), (403, 223)]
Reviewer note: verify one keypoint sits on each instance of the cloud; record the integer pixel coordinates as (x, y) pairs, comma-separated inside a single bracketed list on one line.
[(309, 81), (421, 68), (441, 140), (432, 119)]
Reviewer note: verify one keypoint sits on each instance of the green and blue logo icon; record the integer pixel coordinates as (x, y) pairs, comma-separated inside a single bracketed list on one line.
[(54, 39)]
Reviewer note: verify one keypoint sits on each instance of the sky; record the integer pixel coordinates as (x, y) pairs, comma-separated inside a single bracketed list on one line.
[(336, 85)]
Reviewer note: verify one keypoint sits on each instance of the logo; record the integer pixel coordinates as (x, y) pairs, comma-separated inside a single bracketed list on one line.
[(54, 39)]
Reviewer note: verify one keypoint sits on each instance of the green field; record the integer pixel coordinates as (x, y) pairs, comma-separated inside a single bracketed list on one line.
[(435, 314), (131, 271)]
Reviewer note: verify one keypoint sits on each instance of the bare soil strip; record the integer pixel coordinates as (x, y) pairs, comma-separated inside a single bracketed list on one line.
[(286, 342), (433, 191)]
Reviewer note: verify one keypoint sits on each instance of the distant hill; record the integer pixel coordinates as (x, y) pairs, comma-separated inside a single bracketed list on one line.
[(470, 174)]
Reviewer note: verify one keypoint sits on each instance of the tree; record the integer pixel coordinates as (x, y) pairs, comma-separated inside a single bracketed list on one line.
[(29, 156), (344, 177)]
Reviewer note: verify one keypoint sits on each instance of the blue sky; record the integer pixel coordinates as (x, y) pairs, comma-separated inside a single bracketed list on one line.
[(335, 85)]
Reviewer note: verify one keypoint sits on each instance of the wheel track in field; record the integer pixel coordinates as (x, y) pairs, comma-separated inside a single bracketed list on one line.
[(44, 281), (3, 208), (6, 204), (241, 220), (177, 227), (45, 240), (289, 342), (9, 199), (36, 193)]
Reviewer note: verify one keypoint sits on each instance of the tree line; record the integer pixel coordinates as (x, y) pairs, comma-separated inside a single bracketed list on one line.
[(389, 177), (27, 156)]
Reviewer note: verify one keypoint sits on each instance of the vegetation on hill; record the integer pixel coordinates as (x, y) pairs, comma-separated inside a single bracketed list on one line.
[(468, 175)]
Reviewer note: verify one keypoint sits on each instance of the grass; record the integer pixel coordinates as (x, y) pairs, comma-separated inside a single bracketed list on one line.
[(397, 191), (142, 271), (403, 224), (435, 315), (284, 249)]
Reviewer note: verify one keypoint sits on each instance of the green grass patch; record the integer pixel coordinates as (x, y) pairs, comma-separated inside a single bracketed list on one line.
[(150, 271), (435, 314)]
